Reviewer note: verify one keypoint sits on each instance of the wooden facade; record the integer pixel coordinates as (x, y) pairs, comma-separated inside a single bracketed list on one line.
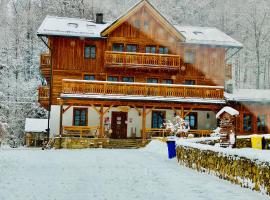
[(141, 46)]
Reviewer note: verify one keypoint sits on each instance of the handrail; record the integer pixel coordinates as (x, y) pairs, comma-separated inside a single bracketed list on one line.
[(142, 59), (80, 131), (140, 89)]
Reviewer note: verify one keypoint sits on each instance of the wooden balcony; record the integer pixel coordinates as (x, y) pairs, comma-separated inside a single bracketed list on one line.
[(45, 66), (43, 96), (142, 60), (70, 86)]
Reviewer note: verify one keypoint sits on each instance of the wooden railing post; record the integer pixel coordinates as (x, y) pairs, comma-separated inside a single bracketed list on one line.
[(144, 123)]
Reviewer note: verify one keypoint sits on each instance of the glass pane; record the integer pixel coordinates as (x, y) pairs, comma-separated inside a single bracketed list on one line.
[(189, 82), (118, 47), (128, 79), (112, 78), (150, 49), (190, 57), (89, 77), (93, 52), (167, 81), (131, 48), (152, 80), (87, 52), (163, 50), (247, 122)]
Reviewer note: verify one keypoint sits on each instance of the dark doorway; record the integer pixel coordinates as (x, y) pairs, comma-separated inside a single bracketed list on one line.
[(119, 125)]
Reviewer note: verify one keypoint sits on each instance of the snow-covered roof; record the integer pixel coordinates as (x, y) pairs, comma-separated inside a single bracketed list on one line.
[(248, 95), (71, 27), (36, 125), (207, 36), (118, 97), (228, 110)]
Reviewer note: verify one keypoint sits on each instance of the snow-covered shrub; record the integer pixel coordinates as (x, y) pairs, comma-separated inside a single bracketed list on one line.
[(3, 131), (216, 132), (177, 126)]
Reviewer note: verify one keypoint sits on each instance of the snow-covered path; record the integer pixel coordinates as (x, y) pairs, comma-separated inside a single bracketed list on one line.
[(108, 174)]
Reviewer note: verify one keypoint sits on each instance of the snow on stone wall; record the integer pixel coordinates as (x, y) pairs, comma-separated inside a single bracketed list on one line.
[(235, 167)]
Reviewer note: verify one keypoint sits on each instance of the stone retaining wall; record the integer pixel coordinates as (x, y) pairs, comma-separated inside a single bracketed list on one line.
[(238, 170)]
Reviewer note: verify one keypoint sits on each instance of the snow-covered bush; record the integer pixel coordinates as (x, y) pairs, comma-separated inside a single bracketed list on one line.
[(177, 126), (3, 131), (216, 132)]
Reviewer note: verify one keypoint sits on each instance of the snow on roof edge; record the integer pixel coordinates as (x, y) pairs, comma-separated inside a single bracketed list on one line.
[(228, 110)]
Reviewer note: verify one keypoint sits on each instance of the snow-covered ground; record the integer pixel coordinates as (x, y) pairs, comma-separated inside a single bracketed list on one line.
[(101, 174)]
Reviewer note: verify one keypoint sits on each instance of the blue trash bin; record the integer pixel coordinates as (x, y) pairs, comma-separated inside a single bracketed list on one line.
[(171, 149)]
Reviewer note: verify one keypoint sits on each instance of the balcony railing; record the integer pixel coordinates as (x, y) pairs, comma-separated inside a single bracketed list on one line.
[(45, 65), (135, 60), (43, 96), (70, 86)]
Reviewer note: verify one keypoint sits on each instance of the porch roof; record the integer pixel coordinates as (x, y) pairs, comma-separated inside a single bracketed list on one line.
[(143, 98)]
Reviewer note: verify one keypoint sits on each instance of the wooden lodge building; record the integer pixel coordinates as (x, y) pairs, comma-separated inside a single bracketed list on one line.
[(123, 79)]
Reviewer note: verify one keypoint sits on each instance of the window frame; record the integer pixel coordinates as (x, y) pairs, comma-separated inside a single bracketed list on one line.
[(150, 46), (245, 129), (163, 120), (261, 128), (128, 77), (119, 45), (114, 77), (164, 81), (132, 45), (195, 114), (74, 115), (163, 47), (195, 83), (93, 75), (148, 78), (90, 46)]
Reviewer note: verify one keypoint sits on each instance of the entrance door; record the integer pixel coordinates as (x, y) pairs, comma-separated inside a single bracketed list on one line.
[(119, 125)]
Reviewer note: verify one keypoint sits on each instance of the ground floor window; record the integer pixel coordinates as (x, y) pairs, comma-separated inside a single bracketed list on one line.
[(158, 118), (192, 119), (247, 122), (261, 125), (80, 116)]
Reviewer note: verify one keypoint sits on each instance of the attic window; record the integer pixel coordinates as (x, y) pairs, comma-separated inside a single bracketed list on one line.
[(198, 33), (73, 25)]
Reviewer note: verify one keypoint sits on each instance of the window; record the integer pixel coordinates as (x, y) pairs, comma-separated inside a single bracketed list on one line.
[(80, 116), (118, 47), (158, 118), (247, 122), (261, 125), (163, 50), (152, 80), (167, 81), (131, 48), (190, 82), (192, 120), (89, 77), (90, 52), (128, 79), (150, 49), (112, 78), (190, 56), (137, 23), (146, 25)]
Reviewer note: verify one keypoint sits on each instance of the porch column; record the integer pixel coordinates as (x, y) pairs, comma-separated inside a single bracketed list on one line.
[(143, 123), (60, 125), (101, 126)]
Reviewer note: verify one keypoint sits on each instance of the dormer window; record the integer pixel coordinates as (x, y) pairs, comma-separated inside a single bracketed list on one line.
[(73, 25)]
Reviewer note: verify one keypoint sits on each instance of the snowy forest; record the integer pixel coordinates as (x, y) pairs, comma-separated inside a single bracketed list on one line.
[(248, 21)]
